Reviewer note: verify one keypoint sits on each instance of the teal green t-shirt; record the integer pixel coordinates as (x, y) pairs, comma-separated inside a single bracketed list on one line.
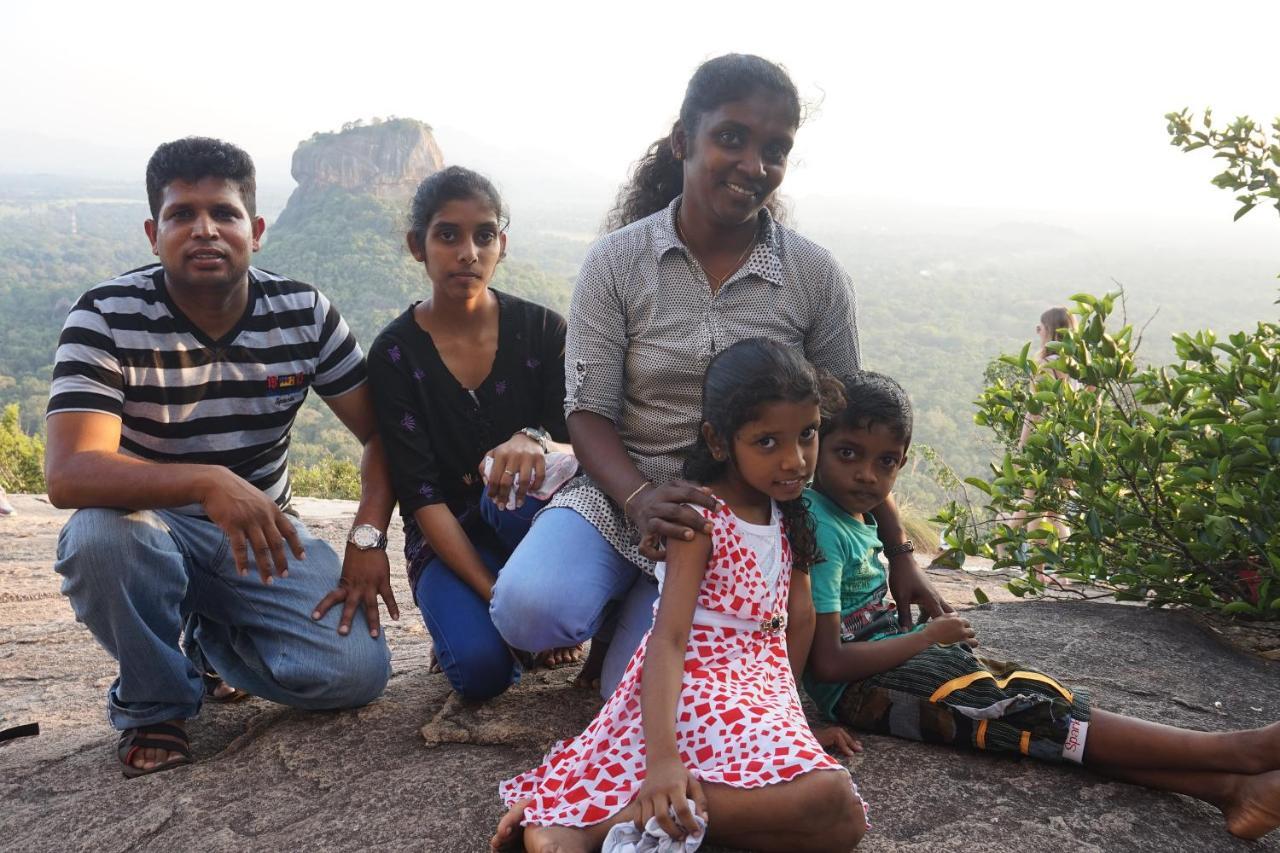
[(852, 581)]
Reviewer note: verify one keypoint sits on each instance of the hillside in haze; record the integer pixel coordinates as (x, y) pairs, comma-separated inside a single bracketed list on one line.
[(940, 292)]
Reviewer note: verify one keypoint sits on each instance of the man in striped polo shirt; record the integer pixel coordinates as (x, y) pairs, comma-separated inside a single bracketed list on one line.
[(174, 390)]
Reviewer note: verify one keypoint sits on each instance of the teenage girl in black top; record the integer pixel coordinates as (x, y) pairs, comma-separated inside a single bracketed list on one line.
[(468, 373)]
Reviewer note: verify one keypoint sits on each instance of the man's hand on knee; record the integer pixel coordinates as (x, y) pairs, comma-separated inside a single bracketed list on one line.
[(366, 574), (252, 522)]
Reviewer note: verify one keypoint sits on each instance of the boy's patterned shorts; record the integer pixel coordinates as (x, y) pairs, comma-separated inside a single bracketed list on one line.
[(951, 694)]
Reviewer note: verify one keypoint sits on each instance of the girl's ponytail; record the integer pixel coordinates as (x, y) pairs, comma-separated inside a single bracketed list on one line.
[(802, 533), (657, 178)]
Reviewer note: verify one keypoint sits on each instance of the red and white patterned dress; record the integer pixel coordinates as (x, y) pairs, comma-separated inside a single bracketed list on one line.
[(738, 720)]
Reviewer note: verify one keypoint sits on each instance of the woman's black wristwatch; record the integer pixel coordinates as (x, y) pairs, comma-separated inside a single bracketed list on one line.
[(538, 435)]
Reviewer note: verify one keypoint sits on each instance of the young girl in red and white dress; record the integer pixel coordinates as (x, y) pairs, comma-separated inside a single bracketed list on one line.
[(707, 720)]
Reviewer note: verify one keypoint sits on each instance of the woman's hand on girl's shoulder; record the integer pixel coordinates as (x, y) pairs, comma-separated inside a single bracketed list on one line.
[(667, 788), (668, 511)]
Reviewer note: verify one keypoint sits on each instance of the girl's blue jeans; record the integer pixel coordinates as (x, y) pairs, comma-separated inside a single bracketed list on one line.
[(136, 579), (554, 589)]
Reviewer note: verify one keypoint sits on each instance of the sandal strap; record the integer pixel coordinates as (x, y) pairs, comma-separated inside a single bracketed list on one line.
[(170, 729), (155, 743), (164, 736)]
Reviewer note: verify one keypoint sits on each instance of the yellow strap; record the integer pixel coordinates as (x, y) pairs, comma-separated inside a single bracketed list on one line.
[(1035, 676), (982, 735), (958, 684), (965, 680), (1025, 744)]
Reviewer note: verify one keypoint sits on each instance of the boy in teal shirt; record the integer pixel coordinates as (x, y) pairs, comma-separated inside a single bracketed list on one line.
[(929, 684)]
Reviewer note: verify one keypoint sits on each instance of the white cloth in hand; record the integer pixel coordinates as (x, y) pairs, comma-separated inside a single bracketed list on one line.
[(560, 467), (625, 838)]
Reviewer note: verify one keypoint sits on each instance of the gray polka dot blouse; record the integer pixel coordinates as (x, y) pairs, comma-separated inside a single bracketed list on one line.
[(644, 323)]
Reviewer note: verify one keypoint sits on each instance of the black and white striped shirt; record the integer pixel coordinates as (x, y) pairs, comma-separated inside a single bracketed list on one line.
[(644, 324), (127, 350)]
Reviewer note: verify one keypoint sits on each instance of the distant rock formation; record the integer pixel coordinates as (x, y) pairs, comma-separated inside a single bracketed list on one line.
[(386, 160)]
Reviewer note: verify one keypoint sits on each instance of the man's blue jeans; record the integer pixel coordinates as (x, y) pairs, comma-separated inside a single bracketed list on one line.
[(561, 584), (135, 578)]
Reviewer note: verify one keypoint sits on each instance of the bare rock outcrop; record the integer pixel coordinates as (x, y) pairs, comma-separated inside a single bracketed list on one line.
[(386, 159)]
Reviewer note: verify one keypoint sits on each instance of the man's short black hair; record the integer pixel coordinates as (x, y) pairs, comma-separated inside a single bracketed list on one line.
[(197, 157), (873, 398)]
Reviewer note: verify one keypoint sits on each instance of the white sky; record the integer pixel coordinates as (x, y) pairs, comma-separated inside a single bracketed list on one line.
[(1050, 106)]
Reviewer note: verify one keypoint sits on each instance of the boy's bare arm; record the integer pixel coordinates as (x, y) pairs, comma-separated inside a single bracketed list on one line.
[(834, 660), (907, 583)]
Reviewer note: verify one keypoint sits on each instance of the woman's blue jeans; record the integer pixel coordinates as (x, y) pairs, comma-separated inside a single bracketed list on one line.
[(564, 584)]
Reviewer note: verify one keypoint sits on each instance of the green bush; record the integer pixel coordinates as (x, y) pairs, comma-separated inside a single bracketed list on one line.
[(1167, 477), (21, 455), (328, 478)]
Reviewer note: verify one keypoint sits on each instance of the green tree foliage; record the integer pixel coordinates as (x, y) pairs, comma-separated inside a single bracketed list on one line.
[(1252, 159), (1165, 477), (51, 250), (1168, 478), (21, 455)]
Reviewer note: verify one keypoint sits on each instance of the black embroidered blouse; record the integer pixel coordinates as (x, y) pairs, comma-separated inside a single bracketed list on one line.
[(435, 432)]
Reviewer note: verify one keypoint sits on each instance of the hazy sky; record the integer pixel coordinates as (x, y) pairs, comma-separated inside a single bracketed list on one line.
[(1054, 106)]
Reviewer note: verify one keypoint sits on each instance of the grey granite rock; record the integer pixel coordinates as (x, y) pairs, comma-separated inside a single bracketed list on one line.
[(270, 778)]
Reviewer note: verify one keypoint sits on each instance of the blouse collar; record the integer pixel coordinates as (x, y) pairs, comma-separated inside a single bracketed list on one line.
[(764, 260)]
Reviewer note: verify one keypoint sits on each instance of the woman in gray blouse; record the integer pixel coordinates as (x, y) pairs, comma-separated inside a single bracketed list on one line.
[(696, 260)]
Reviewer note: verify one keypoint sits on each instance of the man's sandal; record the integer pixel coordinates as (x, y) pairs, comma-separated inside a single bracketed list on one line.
[(166, 736), (213, 681)]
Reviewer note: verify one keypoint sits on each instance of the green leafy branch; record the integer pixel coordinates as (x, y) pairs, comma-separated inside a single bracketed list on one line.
[(1253, 156)]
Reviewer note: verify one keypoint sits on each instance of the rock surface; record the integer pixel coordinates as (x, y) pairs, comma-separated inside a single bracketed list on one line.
[(386, 160), (270, 778)]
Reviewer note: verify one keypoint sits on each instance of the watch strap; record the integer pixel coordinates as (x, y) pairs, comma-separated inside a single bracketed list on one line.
[(907, 547), (537, 435)]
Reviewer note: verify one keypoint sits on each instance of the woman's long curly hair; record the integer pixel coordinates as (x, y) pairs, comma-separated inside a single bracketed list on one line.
[(741, 380), (659, 177)]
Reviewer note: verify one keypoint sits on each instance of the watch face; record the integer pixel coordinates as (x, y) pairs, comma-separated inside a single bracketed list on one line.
[(365, 536)]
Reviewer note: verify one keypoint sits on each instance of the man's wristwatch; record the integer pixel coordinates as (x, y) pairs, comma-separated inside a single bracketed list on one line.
[(907, 547), (366, 537), (538, 435)]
